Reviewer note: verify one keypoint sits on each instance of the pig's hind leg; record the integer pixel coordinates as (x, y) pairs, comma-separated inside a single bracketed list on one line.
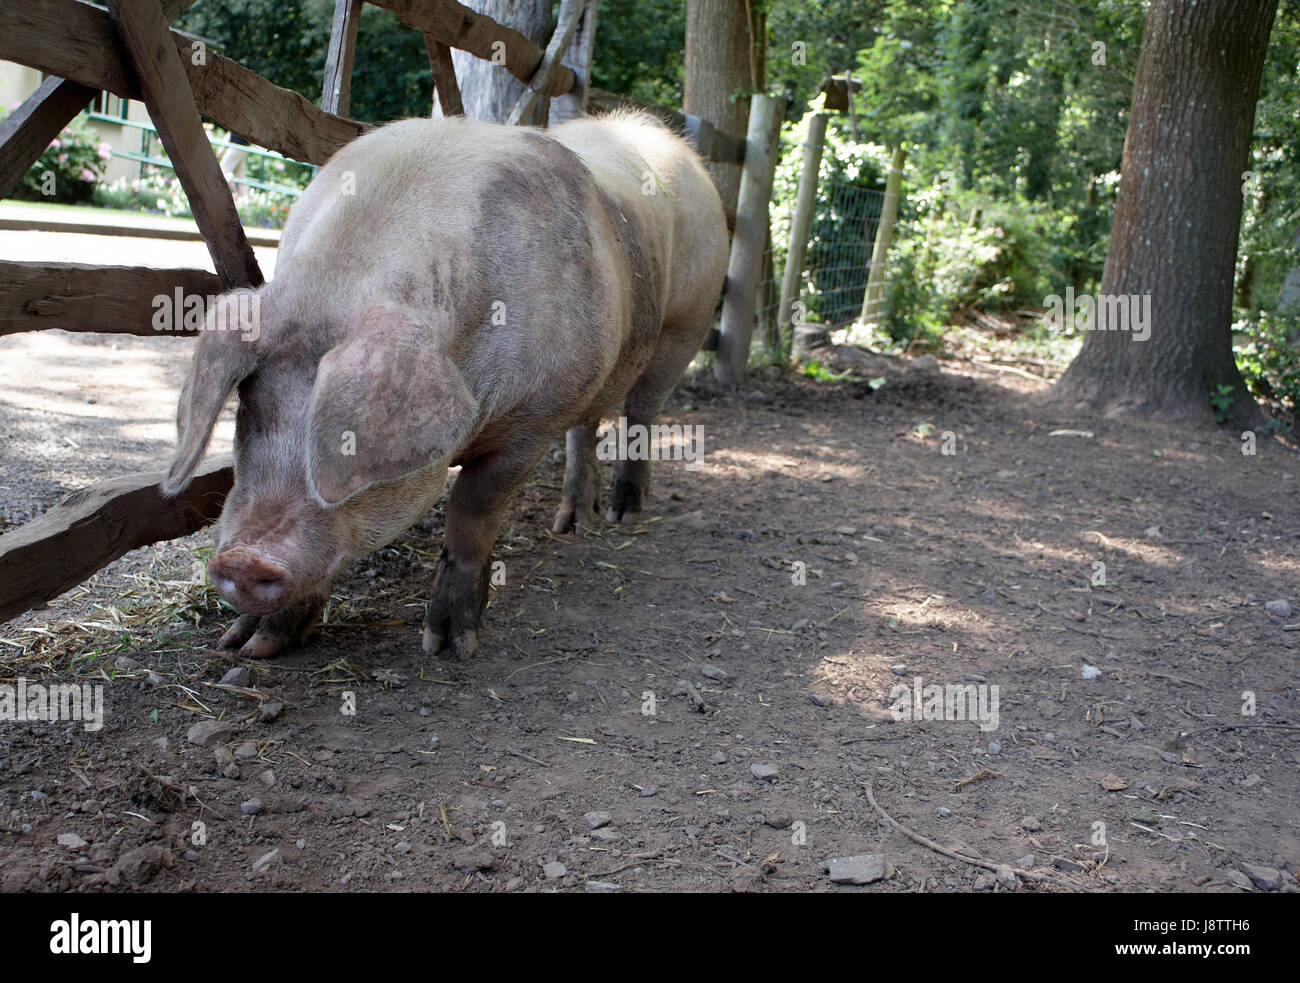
[(677, 346), (580, 502), (475, 506)]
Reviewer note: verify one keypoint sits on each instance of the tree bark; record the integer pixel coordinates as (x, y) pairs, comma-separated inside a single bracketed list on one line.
[(722, 58), (488, 91), (1178, 213)]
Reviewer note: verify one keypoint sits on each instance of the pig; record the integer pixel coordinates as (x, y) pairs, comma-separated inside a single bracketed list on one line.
[(448, 292)]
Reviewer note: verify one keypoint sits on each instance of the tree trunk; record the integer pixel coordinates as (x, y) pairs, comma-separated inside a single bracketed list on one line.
[(721, 59), (489, 91), (1177, 215)]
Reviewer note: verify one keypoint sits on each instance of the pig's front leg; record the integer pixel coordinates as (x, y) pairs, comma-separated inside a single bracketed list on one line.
[(580, 501), (259, 636), (477, 501)]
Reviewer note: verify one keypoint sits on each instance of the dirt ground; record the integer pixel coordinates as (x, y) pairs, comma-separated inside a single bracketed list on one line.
[(699, 700)]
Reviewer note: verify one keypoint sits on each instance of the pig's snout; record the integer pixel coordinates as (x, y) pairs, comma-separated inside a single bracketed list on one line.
[(250, 580)]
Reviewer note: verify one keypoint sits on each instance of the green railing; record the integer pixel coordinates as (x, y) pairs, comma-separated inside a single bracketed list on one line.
[(146, 156)]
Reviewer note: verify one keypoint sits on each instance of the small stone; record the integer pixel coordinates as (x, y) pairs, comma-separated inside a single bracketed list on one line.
[(943, 812), (1237, 879), (246, 750), (253, 807), (225, 761), (1279, 609), (191, 856), (600, 887), (267, 778), (1031, 824), (862, 869), (717, 758), (605, 835), (764, 773), (266, 860), (649, 791), (898, 670), (267, 712), (139, 865), (72, 841), (1250, 781), (1007, 878), (985, 882), (514, 884), (995, 747), (820, 700), (1026, 861), (1063, 863), (1264, 878), (595, 820), (402, 847), (238, 676), (554, 870), (713, 672), (208, 732)]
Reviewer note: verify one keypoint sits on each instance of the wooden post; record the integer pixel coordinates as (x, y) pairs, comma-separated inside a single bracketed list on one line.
[(747, 244), (446, 88), (801, 222), (170, 100), (871, 301), (570, 13), (573, 103), (336, 93)]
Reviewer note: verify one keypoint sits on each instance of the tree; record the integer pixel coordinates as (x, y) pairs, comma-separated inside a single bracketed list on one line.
[(724, 52), (1177, 215)]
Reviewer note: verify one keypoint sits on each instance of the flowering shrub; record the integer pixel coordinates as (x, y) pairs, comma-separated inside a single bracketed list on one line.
[(69, 167)]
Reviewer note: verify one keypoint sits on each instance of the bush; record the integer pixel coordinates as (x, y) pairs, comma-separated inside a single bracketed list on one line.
[(1267, 356), (69, 167), (964, 249)]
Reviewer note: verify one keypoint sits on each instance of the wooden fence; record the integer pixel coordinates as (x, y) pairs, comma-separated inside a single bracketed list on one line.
[(129, 49)]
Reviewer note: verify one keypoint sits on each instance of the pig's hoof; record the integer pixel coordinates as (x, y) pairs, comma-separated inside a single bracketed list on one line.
[(569, 517), (462, 646), (260, 636), (623, 500)]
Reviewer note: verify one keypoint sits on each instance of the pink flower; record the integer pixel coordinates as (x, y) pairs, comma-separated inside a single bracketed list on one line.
[(63, 158), (87, 174), (56, 144), (105, 150)]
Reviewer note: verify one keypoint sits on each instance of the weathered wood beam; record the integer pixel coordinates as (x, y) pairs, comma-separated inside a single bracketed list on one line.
[(111, 299), (712, 143), (77, 41), (96, 525), (444, 77), (573, 103), (570, 13), (459, 27), (337, 92), (170, 100), (30, 128)]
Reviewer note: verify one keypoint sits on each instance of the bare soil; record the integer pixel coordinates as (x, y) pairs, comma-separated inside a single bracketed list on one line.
[(1118, 763)]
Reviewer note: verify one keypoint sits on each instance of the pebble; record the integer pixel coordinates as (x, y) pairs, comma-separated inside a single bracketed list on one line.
[(72, 841), (402, 847), (717, 758), (713, 672), (266, 860), (820, 700), (863, 869), (238, 676), (985, 882), (995, 747), (764, 773), (267, 778), (1264, 878), (595, 820), (267, 712), (554, 870), (514, 884), (1279, 609), (943, 812), (1026, 861), (252, 807), (898, 670), (1250, 781), (246, 750), (205, 733), (1007, 878), (600, 887)]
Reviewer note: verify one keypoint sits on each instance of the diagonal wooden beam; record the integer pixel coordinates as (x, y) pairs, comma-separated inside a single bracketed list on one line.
[(444, 77), (170, 101), (457, 26), (337, 95), (31, 128), (570, 12), (77, 41)]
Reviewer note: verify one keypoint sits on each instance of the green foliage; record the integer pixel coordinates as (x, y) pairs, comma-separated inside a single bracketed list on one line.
[(964, 249), (1222, 398), (1268, 358), (838, 245), (640, 50), (76, 158), (819, 373)]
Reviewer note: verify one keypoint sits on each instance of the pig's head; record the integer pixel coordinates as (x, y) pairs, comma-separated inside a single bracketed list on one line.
[(342, 440)]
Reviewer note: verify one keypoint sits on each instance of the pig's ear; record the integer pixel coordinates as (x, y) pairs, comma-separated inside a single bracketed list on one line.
[(386, 402), (224, 355)]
